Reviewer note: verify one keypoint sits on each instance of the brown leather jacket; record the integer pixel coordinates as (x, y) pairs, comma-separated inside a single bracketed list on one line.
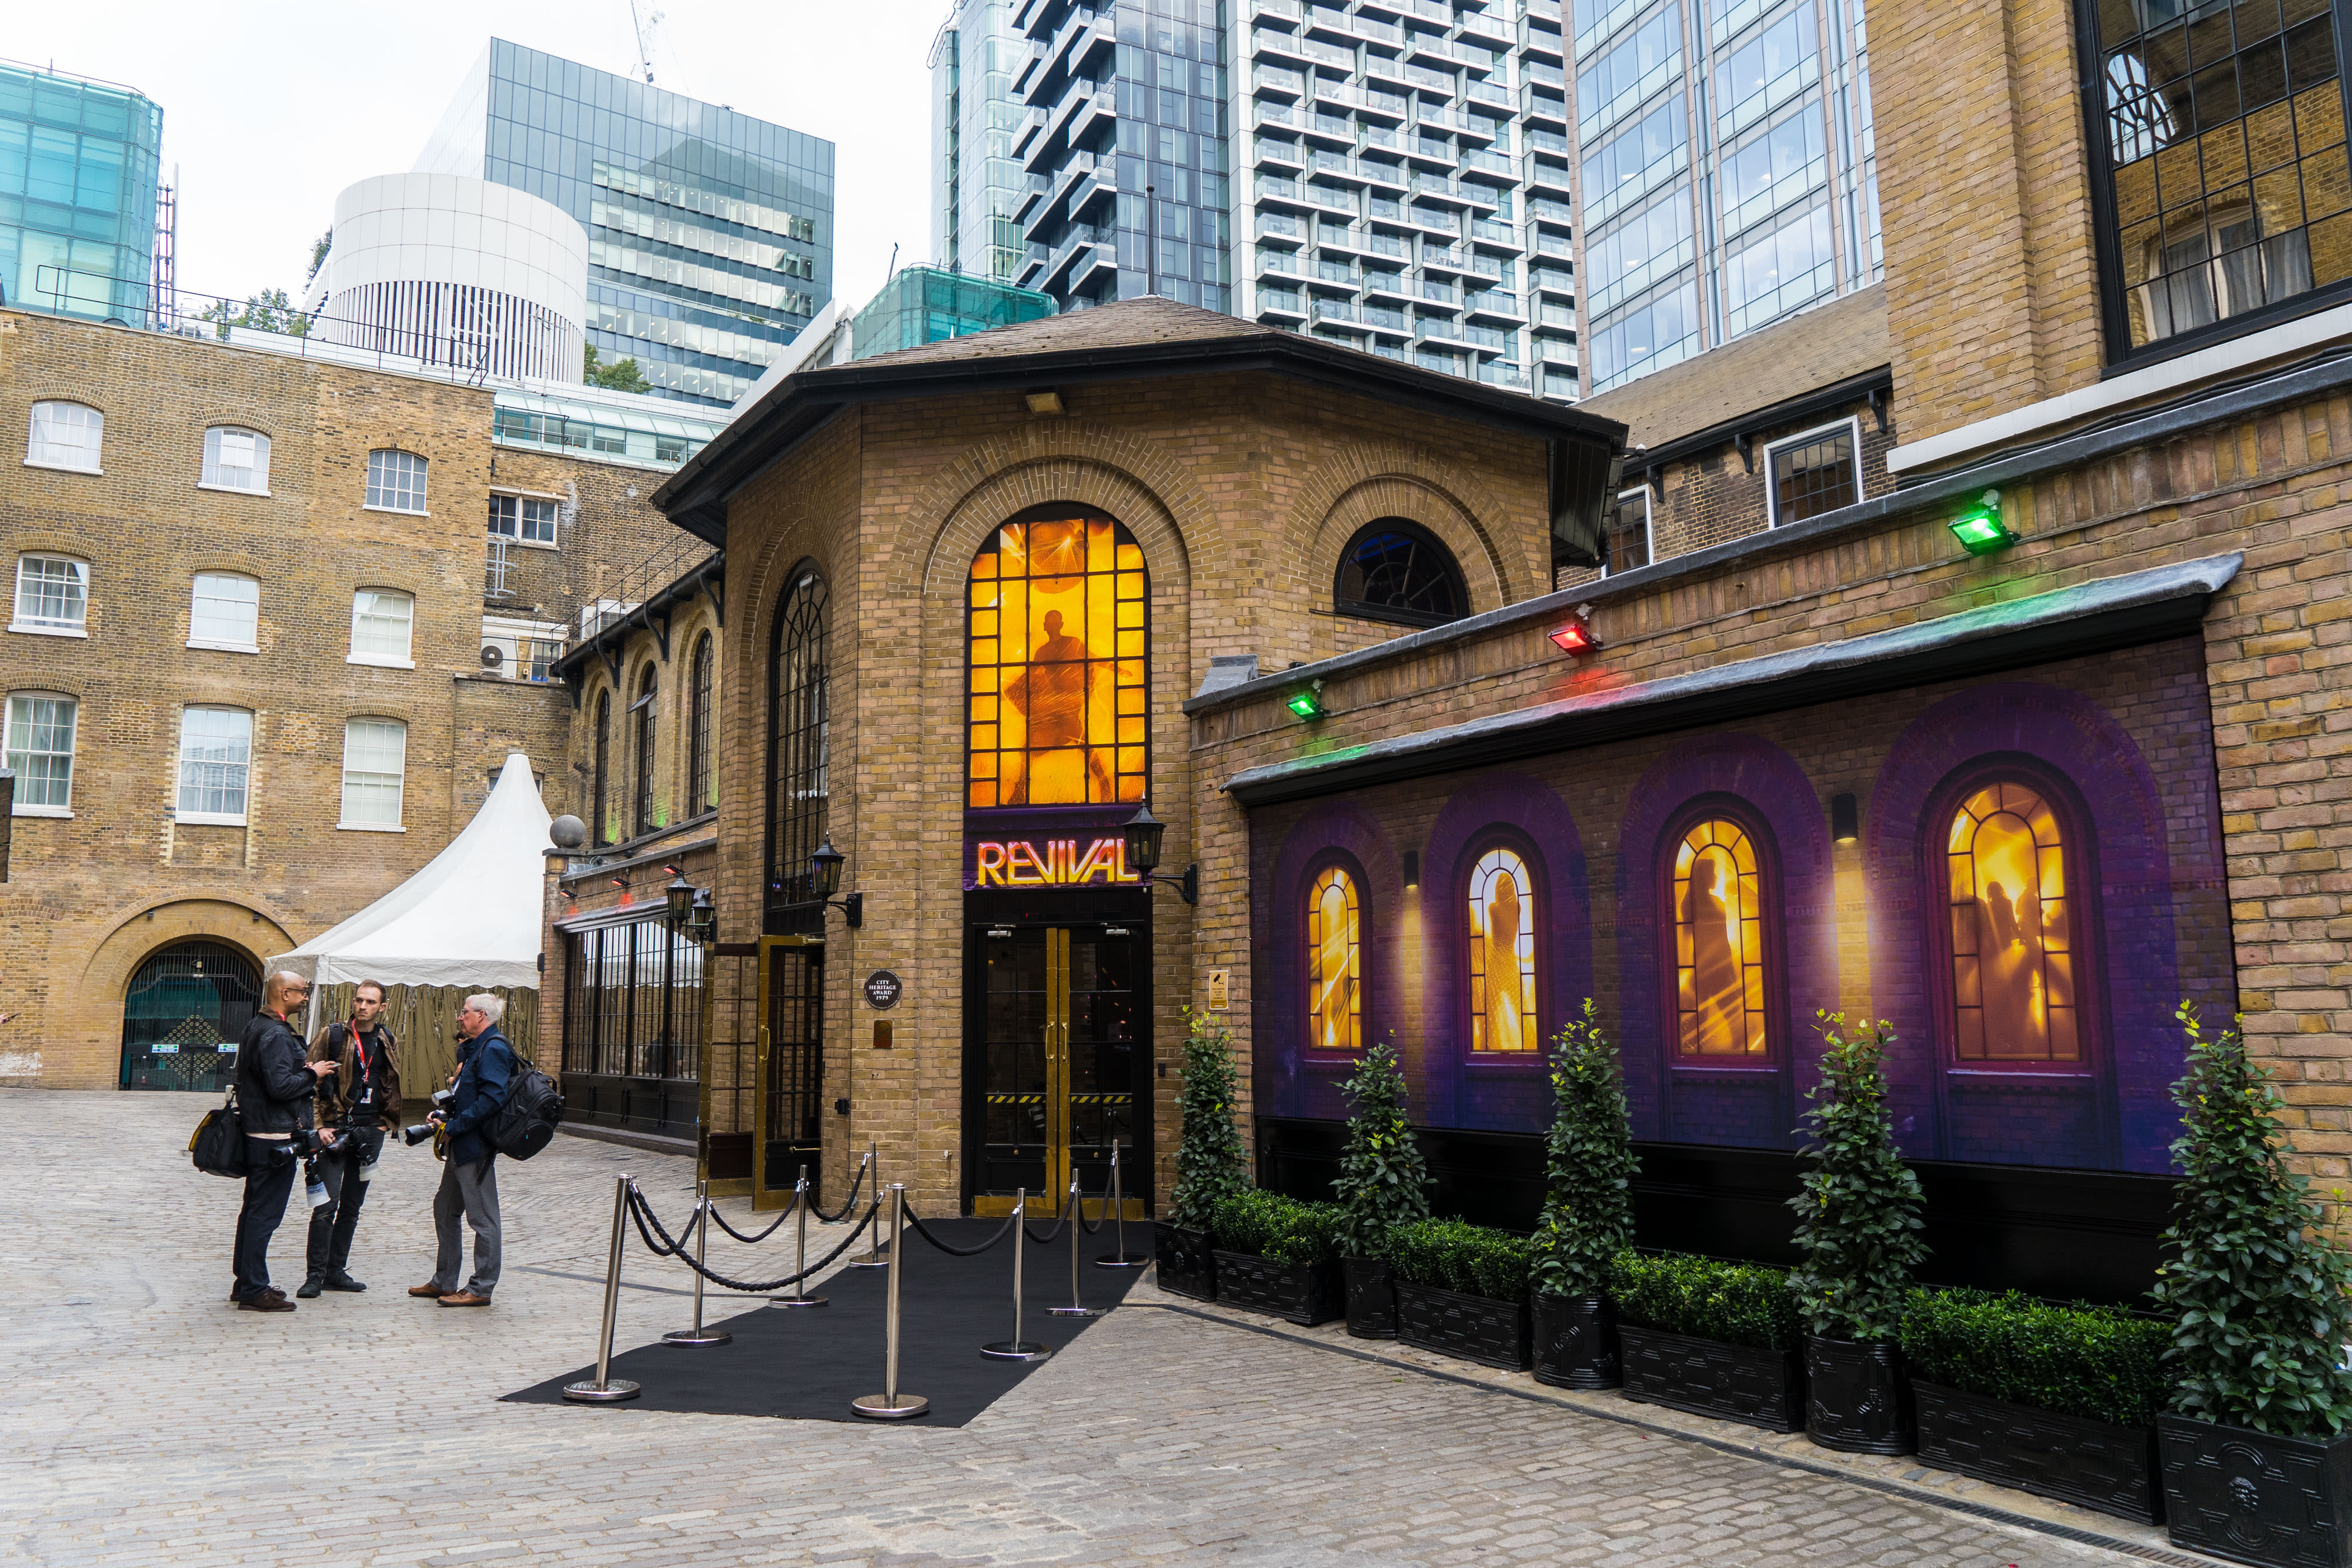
[(335, 1089)]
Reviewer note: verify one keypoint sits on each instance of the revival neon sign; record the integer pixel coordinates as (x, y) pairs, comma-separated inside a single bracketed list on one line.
[(1057, 862)]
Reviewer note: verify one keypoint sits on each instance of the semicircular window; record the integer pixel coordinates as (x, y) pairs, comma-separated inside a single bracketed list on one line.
[(1396, 570)]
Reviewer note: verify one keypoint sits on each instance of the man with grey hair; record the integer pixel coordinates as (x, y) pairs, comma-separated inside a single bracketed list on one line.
[(486, 1075)]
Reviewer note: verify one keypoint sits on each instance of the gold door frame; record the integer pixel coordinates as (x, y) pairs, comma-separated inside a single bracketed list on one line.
[(762, 1196), (1058, 1163)]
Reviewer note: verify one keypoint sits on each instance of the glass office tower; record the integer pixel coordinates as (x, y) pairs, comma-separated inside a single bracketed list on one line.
[(928, 305), (709, 233), (1729, 179), (78, 165)]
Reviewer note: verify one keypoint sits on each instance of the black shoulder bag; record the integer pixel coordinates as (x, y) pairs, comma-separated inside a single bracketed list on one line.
[(218, 1145)]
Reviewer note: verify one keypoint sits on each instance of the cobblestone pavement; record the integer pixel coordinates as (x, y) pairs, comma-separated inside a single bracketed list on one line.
[(148, 1422)]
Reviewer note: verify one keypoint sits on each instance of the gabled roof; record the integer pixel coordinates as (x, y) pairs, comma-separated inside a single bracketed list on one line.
[(1127, 340)]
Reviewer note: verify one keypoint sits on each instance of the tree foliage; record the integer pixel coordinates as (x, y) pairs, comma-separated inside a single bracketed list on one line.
[(1588, 1217), (2256, 1290), (1382, 1181), (267, 311), (621, 375), (319, 249), (1858, 1218), (1210, 1164)]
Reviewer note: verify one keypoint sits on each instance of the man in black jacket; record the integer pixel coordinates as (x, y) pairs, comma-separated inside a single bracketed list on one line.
[(469, 1181), (362, 1101), (274, 1088)]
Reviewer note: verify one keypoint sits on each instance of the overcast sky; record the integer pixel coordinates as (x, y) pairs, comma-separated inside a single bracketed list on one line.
[(270, 109)]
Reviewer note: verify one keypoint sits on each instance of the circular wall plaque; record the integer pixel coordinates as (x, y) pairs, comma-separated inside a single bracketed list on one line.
[(883, 988)]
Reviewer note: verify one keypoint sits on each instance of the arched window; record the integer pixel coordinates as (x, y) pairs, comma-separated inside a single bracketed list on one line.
[(1059, 650), (1502, 928), (701, 796), (642, 710), (2014, 947), (601, 777), (1335, 989), (1396, 570), (1719, 966), (798, 734)]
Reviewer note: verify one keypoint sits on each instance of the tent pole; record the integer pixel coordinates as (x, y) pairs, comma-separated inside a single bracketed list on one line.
[(310, 1024)]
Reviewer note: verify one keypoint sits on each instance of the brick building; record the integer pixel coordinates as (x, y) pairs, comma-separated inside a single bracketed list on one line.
[(277, 619)]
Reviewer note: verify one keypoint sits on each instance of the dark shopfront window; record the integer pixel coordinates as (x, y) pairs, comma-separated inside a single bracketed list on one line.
[(2217, 141), (633, 1023)]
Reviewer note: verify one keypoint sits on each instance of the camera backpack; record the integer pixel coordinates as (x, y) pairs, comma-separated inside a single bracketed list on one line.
[(218, 1145), (526, 1123)]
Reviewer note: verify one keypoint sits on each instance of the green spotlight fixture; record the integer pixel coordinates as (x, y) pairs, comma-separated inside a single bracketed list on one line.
[(1980, 529), (1307, 704)]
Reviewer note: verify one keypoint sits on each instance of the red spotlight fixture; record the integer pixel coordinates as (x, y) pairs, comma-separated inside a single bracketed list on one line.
[(1577, 637)]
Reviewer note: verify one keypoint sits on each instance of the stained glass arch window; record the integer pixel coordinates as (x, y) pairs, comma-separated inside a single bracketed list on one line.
[(1393, 570), (1335, 989), (1059, 641), (2014, 949), (1720, 1012), (1501, 934)]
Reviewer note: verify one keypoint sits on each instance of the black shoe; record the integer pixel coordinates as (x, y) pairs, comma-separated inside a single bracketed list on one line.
[(268, 1301), (310, 1288), (341, 1281)]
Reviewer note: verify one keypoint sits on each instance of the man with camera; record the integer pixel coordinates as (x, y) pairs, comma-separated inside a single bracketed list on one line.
[(274, 1090), (360, 1101), (486, 1075)]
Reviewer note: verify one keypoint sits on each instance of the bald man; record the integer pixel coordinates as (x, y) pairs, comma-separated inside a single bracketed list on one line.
[(274, 1091)]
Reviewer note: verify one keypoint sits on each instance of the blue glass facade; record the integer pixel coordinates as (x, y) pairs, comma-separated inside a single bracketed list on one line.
[(709, 231), (925, 304), (78, 165)]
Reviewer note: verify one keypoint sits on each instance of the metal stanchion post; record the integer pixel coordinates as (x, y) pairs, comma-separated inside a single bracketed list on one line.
[(800, 1296), (606, 1390), (698, 1334), (873, 1258), (1122, 1258), (1077, 1215), (890, 1405), (1016, 1348)]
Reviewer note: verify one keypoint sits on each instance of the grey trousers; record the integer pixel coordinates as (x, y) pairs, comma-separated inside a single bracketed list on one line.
[(471, 1191)]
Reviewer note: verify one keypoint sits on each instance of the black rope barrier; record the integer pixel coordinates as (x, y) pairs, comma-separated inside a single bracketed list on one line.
[(642, 1213), (1096, 1228), (721, 1221), (916, 1220), (846, 1203), (1061, 1217)]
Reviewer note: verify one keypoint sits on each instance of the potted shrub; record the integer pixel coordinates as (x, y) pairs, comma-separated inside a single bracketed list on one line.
[(1588, 1216), (1277, 1255), (1463, 1289), (1858, 1232), (2256, 1454), (1210, 1164), (1382, 1184), (2058, 1401), (1713, 1338)]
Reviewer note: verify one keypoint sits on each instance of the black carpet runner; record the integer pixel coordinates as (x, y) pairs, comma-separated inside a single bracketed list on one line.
[(806, 1363)]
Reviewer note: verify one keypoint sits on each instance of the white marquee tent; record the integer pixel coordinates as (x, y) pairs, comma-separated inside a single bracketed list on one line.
[(470, 917)]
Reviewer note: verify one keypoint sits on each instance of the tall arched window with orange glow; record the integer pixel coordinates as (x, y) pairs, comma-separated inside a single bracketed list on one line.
[(1502, 929), (1719, 944), (1059, 659), (1334, 992), (2013, 947)]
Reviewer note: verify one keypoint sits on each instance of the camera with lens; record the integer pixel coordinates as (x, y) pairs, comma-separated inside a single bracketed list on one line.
[(416, 1134), (309, 1143)]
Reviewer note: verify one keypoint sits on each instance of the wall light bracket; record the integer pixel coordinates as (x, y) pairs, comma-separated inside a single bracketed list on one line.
[(1981, 529)]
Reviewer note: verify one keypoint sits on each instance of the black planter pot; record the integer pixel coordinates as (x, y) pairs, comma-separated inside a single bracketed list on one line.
[(1371, 1297), (2282, 1502), (1708, 1378), (1576, 1343), (1304, 1293), (1474, 1328), (2070, 1457), (1184, 1263), (1858, 1399)]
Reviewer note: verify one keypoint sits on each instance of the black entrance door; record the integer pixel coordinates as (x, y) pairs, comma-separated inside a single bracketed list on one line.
[(788, 1100), (182, 1014), (1057, 1052)]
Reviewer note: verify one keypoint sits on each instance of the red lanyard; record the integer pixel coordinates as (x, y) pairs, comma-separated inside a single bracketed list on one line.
[(359, 1049)]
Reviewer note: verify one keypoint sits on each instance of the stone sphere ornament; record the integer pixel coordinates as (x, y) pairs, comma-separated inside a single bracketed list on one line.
[(567, 832)]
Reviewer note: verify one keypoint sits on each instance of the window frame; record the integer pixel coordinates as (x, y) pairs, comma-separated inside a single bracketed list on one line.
[(2078, 847), (701, 689), (521, 498), (344, 822), (97, 447), (643, 753), (1649, 533), (1772, 922), (798, 789), (1316, 869), (2114, 309), (180, 814), (1851, 424), (383, 661), (21, 807), (1427, 538), (195, 588), (17, 622), (369, 488), (208, 462), (1539, 931), (601, 770)]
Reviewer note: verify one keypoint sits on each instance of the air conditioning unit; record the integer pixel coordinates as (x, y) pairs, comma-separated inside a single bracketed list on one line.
[(494, 657)]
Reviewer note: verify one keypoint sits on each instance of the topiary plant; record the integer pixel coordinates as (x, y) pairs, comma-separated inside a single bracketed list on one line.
[(1588, 1216), (2099, 1363), (1456, 1255), (1858, 1218), (1210, 1164), (2257, 1289), (1738, 1303), (1282, 1228), (1382, 1183)]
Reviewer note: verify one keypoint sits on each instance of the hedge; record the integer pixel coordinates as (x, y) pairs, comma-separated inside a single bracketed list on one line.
[(2098, 1362), (1282, 1228), (1456, 1255), (1738, 1303)]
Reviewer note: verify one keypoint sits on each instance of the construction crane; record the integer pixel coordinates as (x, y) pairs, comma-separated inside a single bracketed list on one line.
[(644, 22)]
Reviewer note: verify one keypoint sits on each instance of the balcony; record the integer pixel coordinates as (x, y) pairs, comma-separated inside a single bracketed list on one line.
[(1548, 10), (1387, 289), (1329, 200), (1436, 156), (1441, 83), (1438, 298), (1492, 92), (1558, 282), (1281, 193), (1490, 234), (1335, 130), (1388, 72), (1091, 191), (1337, 167), (1268, 81), (1279, 51), (1378, 174), (1060, 274), (1280, 305), (1555, 214), (1032, 123), (1279, 228), (1497, 304), (1033, 190), (1275, 114), (1491, 167), (1503, 374), (1030, 63), (1542, 44), (1331, 278), (1549, 179), (1449, 259), (1431, 50), (1389, 245), (1279, 10), (1552, 245), (1550, 142), (1543, 109), (1083, 47), (1387, 321), (1282, 157), (1329, 56), (1332, 27), (1559, 320), (1474, 128), (1486, 32), (1340, 313)]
